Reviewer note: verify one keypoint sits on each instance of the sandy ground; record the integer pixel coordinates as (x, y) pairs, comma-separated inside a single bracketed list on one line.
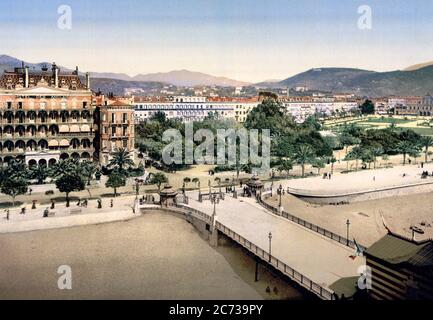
[(157, 256), (366, 224)]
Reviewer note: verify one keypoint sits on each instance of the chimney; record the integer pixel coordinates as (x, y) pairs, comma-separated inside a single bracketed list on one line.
[(87, 81), (26, 77)]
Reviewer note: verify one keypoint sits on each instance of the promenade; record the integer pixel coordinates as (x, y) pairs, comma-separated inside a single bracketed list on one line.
[(360, 181), (322, 260)]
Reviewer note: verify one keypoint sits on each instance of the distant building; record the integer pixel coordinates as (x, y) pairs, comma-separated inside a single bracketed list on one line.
[(401, 268), (193, 108)]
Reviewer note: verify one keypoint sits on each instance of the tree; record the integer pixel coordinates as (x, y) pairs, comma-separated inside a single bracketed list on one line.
[(407, 148), (354, 154), (319, 164), (332, 161), (377, 151), (14, 187), (285, 165), (121, 159), (426, 142), (367, 107), (115, 180), (68, 183), (68, 166), (40, 173), (158, 179), (304, 154), (87, 170)]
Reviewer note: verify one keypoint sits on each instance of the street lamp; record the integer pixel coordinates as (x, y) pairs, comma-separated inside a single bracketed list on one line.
[(348, 224), (215, 200), (270, 245), (272, 186)]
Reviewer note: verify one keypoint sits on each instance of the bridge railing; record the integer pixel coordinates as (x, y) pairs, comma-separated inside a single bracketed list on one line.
[(278, 264), (259, 252), (329, 234)]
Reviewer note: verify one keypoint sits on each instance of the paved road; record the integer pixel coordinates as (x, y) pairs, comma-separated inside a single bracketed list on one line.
[(322, 260)]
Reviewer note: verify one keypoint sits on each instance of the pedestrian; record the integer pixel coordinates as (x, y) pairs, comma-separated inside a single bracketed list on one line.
[(23, 210), (30, 191), (7, 214), (329, 176), (111, 203)]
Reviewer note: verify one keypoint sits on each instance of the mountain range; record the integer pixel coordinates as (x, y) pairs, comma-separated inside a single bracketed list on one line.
[(414, 80), (418, 81)]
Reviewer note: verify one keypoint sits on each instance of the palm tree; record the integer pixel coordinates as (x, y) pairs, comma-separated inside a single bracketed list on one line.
[(378, 151), (354, 154), (332, 160), (303, 155), (426, 141), (121, 158), (158, 179), (405, 148)]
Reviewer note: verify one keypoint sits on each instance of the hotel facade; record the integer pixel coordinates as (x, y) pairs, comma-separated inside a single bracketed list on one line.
[(46, 116)]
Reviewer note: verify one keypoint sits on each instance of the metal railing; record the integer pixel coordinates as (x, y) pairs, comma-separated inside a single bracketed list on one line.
[(278, 264), (324, 232), (296, 276)]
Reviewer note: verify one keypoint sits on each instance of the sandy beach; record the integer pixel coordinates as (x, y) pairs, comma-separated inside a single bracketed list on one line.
[(156, 256)]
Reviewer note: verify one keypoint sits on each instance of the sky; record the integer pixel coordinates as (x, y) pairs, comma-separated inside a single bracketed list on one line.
[(249, 40)]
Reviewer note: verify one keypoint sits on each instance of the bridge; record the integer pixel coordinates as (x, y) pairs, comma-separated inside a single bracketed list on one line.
[(313, 260)]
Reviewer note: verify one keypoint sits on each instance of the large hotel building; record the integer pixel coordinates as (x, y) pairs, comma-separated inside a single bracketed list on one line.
[(46, 116)]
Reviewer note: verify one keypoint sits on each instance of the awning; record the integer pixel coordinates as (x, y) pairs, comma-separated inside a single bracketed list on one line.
[(64, 143), (74, 128), (53, 143)]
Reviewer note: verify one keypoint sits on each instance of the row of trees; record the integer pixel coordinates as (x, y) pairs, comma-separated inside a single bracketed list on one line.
[(370, 144), (69, 175)]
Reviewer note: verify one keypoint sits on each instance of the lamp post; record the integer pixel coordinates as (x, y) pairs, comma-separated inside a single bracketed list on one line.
[(272, 186), (270, 245), (215, 200), (347, 233)]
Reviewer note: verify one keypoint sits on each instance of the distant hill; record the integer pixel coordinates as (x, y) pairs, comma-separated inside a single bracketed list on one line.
[(419, 66), (9, 63), (118, 87), (188, 79), (363, 82)]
